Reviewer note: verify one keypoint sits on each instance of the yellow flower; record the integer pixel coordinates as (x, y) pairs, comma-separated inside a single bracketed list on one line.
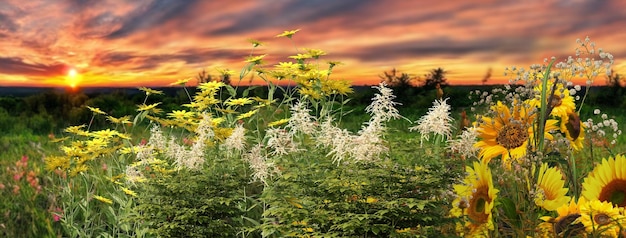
[(561, 102), (181, 114), (238, 101), (278, 123), (78, 169), (57, 162), (255, 59), (180, 82), (225, 72), (476, 198), (288, 34), (550, 192), (371, 200), (144, 107), (607, 182), (301, 56), (309, 92), (96, 110), (343, 87), (121, 120), (247, 114), (129, 192), (211, 86), (315, 53), (104, 134), (574, 130), (255, 43), (566, 222), (150, 91), (601, 218), (103, 199), (75, 129), (508, 133)]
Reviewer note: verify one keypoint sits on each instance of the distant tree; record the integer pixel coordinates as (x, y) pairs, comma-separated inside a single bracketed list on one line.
[(615, 81), (435, 77), (204, 77), (487, 77), (394, 78)]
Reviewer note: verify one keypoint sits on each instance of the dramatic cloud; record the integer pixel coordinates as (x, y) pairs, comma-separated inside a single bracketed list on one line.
[(155, 42)]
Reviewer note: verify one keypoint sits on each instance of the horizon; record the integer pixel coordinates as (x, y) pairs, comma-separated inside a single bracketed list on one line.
[(153, 43)]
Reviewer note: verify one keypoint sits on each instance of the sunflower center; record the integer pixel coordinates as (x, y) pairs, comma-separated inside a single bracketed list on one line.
[(555, 101), (614, 192), (566, 225), (478, 205), (602, 219), (512, 136)]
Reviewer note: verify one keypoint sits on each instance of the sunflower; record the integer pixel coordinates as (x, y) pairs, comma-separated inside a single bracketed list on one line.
[(574, 130), (508, 133), (602, 218), (550, 191), (561, 102), (566, 223), (607, 182), (476, 198)]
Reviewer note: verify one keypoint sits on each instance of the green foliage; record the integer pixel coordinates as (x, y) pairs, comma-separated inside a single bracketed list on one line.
[(195, 203), (384, 199)]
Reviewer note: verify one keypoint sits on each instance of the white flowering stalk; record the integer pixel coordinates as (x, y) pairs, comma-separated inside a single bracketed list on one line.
[(383, 105), (436, 121), (339, 140), (464, 144), (280, 142), (193, 158), (301, 119), (262, 169), (236, 142)]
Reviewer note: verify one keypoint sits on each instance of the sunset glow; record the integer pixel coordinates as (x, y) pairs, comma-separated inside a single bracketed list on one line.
[(156, 42)]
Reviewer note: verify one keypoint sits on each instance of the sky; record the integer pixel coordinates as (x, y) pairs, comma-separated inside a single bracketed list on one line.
[(130, 43)]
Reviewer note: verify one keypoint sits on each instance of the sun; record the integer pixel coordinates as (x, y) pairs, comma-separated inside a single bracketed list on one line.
[(72, 78)]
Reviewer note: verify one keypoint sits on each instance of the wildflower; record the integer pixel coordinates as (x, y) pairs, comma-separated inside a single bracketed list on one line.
[(301, 56), (255, 59), (437, 121), (57, 162), (551, 193), (255, 43), (181, 114), (382, 104), (238, 101), (180, 82), (104, 134), (607, 182), (149, 91), (288, 34), (464, 144), (121, 120), (144, 107), (601, 217), (574, 130), (211, 86), (508, 133), (315, 53), (225, 72), (103, 199), (247, 114), (262, 169), (567, 221), (280, 142), (237, 140), (96, 110), (75, 129), (476, 199), (301, 119), (129, 192), (278, 123)]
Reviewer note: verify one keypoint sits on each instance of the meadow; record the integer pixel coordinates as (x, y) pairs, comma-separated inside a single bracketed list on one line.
[(540, 157)]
